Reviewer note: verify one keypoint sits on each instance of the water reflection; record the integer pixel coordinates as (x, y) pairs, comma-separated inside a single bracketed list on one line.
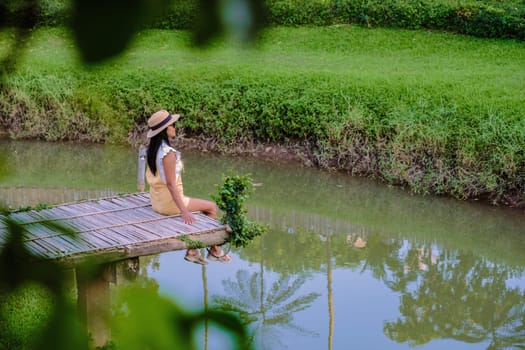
[(266, 313), (461, 297), (346, 261), (444, 293)]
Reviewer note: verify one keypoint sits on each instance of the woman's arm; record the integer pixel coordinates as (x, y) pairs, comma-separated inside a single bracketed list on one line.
[(169, 170)]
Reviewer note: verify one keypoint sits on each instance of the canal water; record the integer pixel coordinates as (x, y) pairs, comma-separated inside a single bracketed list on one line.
[(347, 263)]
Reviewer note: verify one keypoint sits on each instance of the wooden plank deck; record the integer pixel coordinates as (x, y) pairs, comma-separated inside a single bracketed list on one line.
[(111, 229)]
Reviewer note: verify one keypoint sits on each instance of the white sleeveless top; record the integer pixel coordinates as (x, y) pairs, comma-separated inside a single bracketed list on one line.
[(160, 196), (163, 151)]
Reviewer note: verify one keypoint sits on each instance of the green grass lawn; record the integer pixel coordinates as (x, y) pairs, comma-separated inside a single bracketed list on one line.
[(480, 70)]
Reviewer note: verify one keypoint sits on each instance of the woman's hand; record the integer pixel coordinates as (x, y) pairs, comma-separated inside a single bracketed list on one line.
[(188, 217)]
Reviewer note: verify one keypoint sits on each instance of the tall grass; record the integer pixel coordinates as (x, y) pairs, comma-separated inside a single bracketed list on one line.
[(436, 112)]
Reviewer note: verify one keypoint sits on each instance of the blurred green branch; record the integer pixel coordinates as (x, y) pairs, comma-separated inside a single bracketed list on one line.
[(103, 29)]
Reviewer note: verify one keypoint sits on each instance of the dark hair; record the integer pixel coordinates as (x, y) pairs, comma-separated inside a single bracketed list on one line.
[(153, 148)]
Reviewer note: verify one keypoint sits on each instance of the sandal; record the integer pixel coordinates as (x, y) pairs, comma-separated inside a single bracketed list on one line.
[(197, 259), (223, 258)]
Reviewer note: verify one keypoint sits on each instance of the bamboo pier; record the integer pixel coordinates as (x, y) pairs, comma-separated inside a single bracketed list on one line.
[(110, 229), (112, 233)]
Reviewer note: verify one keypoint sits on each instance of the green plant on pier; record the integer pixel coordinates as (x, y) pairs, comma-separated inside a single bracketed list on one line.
[(190, 243), (230, 199)]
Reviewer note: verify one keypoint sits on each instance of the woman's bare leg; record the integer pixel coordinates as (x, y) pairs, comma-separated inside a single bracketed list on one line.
[(209, 208)]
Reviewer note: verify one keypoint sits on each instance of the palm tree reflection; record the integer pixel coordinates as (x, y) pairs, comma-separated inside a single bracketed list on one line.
[(266, 313)]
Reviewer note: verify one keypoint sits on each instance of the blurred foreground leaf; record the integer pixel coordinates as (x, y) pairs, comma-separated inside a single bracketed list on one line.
[(104, 28), (145, 320), (240, 20), (19, 267)]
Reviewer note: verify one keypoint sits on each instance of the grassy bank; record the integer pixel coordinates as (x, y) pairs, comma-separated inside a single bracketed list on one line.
[(435, 112)]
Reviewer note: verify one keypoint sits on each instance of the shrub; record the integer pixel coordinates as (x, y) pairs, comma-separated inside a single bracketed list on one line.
[(493, 19)]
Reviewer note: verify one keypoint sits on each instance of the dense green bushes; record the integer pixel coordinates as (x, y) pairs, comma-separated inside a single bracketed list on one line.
[(493, 19), (469, 17), (478, 18)]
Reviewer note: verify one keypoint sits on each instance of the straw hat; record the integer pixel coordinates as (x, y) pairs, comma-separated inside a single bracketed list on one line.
[(159, 121)]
